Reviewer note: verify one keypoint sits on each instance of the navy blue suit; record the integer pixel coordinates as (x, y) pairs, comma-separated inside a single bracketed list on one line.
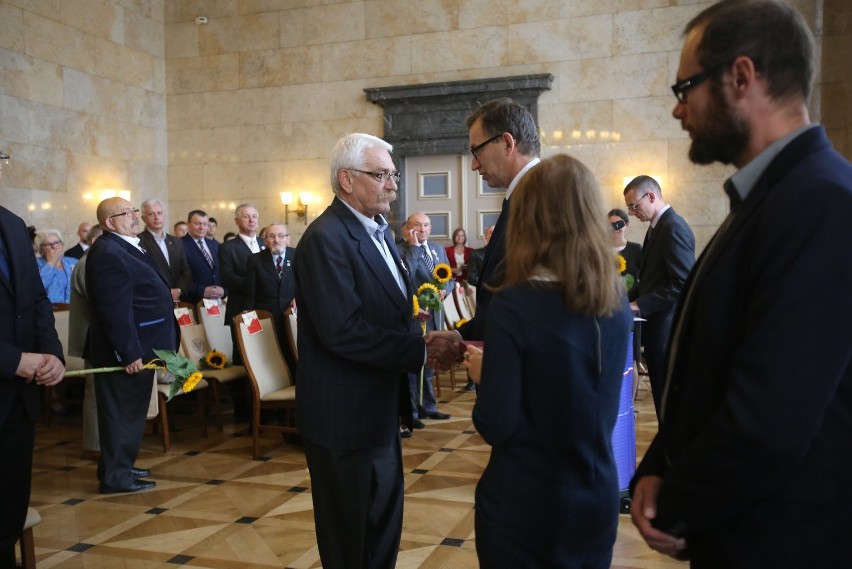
[(131, 315), (547, 405), (355, 349), (273, 293), (26, 325), (202, 275), (754, 444)]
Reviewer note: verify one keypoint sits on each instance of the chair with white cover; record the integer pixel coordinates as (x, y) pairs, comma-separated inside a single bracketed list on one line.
[(162, 404), (27, 541), (271, 384), (72, 363), (196, 346), (218, 334), (451, 317), (462, 303)]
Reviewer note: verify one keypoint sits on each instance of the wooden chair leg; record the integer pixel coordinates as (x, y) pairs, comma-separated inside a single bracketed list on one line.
[(164, 421), (28, 549), (436, 382), (255, 430), (202, 409), (217, 403)]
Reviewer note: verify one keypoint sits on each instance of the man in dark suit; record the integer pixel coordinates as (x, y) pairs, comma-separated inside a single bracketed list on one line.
[(82, 246), (202, 254), (271, 281), (751, 465), (476, 258), (504, 144), (30, 355), (165, 249), (132, 315), (234, 257), (668, 254), (422, 258), (355, 348)]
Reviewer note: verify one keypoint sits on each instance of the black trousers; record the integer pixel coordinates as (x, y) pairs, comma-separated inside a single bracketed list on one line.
[(655, 337), (122, 401), (357, 496), (17, 435)]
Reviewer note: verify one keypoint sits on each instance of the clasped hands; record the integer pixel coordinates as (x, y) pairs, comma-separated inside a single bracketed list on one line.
[(442, 349), (44, 369)]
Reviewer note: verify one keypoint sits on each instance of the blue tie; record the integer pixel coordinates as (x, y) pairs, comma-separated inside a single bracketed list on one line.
[(4, 261)]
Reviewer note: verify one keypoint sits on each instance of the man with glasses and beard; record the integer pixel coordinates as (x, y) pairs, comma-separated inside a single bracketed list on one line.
[(751, 465)]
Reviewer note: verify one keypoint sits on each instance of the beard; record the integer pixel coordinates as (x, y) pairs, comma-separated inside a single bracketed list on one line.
[(724, 136)]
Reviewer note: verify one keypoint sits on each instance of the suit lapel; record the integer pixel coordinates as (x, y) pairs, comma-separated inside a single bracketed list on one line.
[(145, 258)]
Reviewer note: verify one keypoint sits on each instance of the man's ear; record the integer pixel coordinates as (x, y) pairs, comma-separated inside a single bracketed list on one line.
[(344, 178)]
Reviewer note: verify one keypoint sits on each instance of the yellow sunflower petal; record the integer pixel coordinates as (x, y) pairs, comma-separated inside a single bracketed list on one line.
[(443, 273), (191, 381)]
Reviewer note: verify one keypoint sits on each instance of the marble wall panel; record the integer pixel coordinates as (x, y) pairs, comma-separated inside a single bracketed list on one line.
[(147, 181), (102, 97), (449, 51), (836, 109), (188, 10), (260, 180), (334, 130), (204, 146), (202, 74), (322, 24), (298, 140), (11, 28), (564, 124), (560, 40), (620, 77), (220, 182), (30, 79), (36, 167), (239, 33), (181, 40), (289, 66), (839, 20), (648, 118), (837, 58), (51, 41), (96, 17), (323, 101), (47, 8), (369, 58), (17, 200), (648, 31), (152, 9), (144, 33), (404, 17), (125, 64), (185, 183), (485, 13)]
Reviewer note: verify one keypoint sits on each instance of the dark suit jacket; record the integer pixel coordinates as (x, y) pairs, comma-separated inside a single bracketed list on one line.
[(26, 317), (176, 268), (355, 343), (74, 252), (754, 447), (234, 258), (474, 265), (667, 257), (131, 304), (632, 254), (547, 405), (268, 292), (420, 274), (202, 275)]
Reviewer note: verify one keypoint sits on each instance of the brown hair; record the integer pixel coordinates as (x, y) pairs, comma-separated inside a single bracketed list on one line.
[(557, 223)]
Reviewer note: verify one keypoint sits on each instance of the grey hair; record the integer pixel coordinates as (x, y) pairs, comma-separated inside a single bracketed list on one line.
[(43, 234), (243, 206), (349, 153), (152, 202)]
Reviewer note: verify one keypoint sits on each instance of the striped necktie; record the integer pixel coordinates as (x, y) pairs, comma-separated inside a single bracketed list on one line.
[(279, 265), (204, 252), (427, 256)]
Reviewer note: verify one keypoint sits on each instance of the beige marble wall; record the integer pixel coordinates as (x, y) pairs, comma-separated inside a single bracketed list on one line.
[(134, 95), (82, 106), (257, 96)]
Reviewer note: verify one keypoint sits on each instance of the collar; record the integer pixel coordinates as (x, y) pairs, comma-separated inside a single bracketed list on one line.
[(155, 236), (248, 240), (132, 240), (747, 176), (660, 213), (370, 224), (520, 175)]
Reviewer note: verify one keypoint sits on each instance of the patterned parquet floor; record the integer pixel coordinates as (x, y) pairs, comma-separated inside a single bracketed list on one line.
[(215, 507)]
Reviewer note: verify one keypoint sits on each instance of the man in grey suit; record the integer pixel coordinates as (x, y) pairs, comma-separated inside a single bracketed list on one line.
[(422, 258), (165, 249), (355, 348), (668, 254)]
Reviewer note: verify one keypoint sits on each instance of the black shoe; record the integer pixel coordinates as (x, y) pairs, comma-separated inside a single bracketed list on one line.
[(438, 415), (405, 434), (140, 472), (471, 386), (418, 424), (137, 486)]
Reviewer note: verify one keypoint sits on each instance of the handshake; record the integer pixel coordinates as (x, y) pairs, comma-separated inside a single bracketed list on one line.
[(443, 349)]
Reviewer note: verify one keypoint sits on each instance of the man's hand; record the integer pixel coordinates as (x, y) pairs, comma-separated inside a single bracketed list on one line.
[(134, 367), (473, 363), (635, 308), (442, 349), (214, 291), (175, 294), (51, 372), (644, 509)]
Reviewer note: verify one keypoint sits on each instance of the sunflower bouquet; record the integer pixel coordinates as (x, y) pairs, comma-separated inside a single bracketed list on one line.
[(628, 279), (427, 301), (186, 374), (214, 360)]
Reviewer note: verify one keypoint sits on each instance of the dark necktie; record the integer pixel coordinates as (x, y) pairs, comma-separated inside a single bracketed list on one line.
[(204, 252), (279, 266), (4, 261), (427, 256)]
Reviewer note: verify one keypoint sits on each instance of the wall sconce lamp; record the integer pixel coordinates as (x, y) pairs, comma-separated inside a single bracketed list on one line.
[(301, 211)]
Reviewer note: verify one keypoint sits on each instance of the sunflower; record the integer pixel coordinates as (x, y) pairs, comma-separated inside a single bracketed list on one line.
[(215, 360), (427, 287), (621, 263), (415, 305), (442, 273), (460, 323), (191, 381)]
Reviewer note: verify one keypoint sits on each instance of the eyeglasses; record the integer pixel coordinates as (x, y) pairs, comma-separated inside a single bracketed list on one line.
[(380, 176), (277, 236), (52, 244), (125, 212), (478, 147), (681, 87), (634, 205)]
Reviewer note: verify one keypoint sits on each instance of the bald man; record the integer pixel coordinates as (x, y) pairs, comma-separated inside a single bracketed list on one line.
[(132, 315)]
